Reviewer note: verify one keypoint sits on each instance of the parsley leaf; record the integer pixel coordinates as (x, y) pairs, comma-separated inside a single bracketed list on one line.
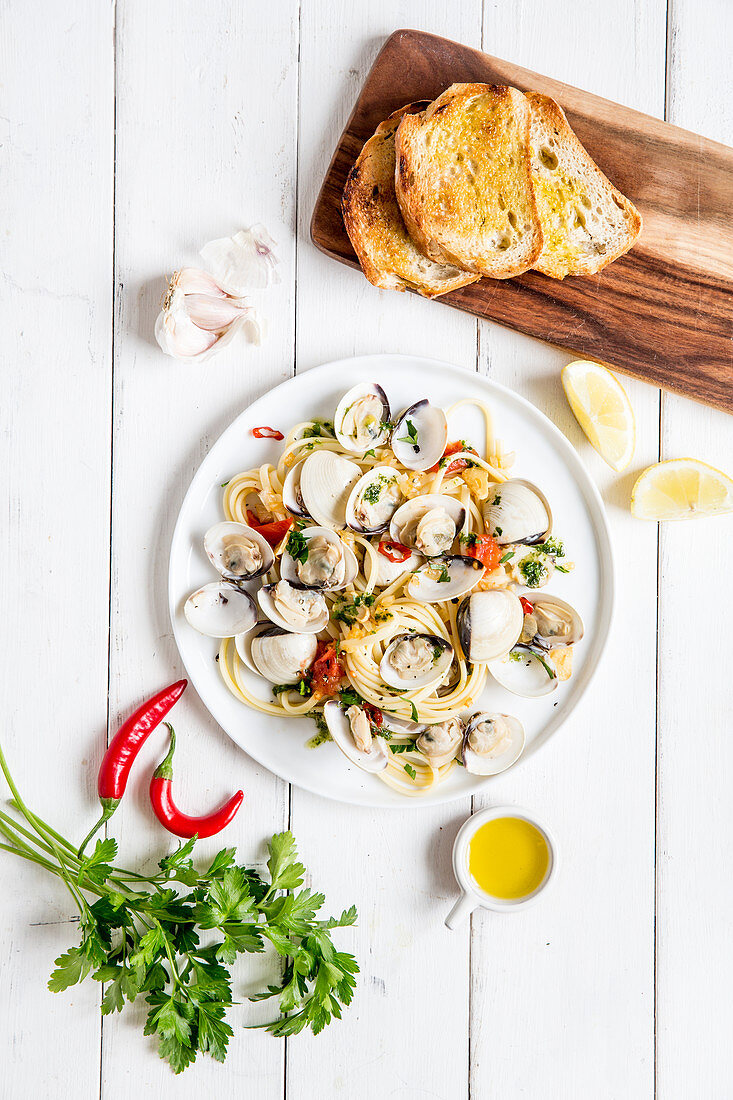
[(410, 771), (297, 546)]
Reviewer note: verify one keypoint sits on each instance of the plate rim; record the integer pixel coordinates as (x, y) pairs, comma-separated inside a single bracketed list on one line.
[(599, 522)]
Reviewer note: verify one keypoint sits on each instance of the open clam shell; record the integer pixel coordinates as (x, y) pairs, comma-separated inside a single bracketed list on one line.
[(525, 671), (489, 624), (413, 661), (401, 725), (326, 481), (552, 623), (238, 552), (428, 523), (220, 610), (373, 501), (492, 743), (282, 656), (444, 578), (517, 511), (419, 436), (361, 420), (303, 610), (340, 729), (292, 496), (330, 566)]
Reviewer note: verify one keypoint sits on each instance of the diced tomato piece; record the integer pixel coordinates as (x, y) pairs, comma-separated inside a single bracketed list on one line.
[(275, 532), (327, 671), (460, 463), (374, 715), (485, 549)]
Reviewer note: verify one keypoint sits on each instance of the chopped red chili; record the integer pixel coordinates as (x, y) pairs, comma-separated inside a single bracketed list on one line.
[(267, 433), (460, 463), (527, 607), (394, 551), (374, 715)]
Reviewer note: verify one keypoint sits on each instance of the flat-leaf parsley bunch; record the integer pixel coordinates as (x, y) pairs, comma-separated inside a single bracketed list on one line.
[(141, 935)]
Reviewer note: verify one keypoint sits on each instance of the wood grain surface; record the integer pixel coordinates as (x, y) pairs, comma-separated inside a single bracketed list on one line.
[(664, 312)]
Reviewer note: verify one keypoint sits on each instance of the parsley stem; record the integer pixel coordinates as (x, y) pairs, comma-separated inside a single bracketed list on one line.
[(40, 843), (46, 827)]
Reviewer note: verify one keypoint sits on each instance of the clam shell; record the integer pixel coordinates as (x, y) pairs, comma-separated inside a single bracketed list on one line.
[(326, 481), (266, 600), (380, 436), (428, 428), (282, 656), (371, 477), (400, 680), (491, 763), (426, 586), (525, 672), (340, 729), (289, 567), (554, 605), (408, 515), (517, 511), (292, 497), (220, 610), (489, 623), (215, 549)]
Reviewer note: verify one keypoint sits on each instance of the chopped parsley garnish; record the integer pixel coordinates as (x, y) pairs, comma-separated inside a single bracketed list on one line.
[(552, 547), (372, 492), (470, 539), (413, 711), (498, 531), (351, 698), (562, 569), (225, 483), (548, 668), (444, 575), (410, 771), (370, 454), (506, 557), (348, 612), (497, 499), (318, 428), (322, 732), (297, 546), (411, 436), (533, 571), (278, 689), (402, 748)]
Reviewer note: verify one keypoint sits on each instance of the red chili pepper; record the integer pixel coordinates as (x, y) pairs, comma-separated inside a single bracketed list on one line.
[(374, 715), (460, 463), (394, 551), (527, 607), (273, 532), (124, 747), (171, 817), (267, 433)]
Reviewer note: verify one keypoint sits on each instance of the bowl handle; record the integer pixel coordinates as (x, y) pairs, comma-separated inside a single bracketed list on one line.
[(462, 909)]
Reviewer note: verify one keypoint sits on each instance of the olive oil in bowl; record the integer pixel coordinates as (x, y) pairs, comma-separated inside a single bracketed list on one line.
[(508, 858)]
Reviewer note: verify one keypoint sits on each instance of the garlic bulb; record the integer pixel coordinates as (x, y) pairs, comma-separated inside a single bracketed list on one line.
[(246, 261), (199, 318)]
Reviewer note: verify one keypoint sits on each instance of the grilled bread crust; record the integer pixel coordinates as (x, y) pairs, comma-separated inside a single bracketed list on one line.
[(586, 222), (387, 254), (463, 180)]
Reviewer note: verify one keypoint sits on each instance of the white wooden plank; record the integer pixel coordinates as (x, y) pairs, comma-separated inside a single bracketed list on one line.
[(695, 816), (206, 110), (560, 990), (56, 199), (407, 1033)]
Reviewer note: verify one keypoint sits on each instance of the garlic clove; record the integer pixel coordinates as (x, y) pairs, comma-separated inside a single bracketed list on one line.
[(214, 314), (180, 337), (246, 261), (193, 280)]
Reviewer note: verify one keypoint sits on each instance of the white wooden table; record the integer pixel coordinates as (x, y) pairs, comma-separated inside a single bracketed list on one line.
[(130, 136)]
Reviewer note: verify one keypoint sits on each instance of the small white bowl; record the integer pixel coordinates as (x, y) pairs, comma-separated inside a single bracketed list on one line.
[(472, 896)]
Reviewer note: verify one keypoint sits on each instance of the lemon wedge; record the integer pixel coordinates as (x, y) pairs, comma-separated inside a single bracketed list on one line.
[(602, 408), (682, 488)]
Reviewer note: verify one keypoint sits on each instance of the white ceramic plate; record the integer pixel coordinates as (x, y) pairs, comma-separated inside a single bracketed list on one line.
[(543, 455)]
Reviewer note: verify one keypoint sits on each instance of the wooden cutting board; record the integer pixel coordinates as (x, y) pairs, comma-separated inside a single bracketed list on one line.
[(663, 312)]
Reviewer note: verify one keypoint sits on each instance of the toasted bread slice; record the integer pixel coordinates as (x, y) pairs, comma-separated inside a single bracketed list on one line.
[(586, 222), (387, 255), (464, 180)]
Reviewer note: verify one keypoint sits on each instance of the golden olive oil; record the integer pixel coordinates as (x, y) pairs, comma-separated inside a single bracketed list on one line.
[(508, 858)]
